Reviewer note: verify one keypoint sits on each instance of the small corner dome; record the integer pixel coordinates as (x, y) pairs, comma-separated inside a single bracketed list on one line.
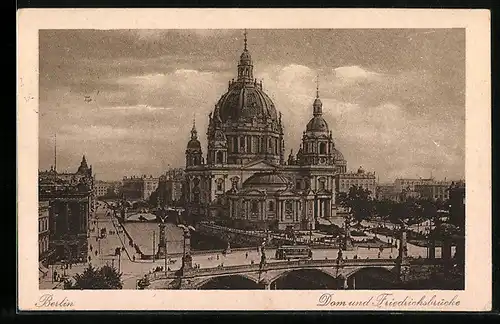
[(317, 124), (337, 155), (194, 144)]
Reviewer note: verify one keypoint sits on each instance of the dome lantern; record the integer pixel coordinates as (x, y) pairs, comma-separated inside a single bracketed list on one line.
[(245, 66)]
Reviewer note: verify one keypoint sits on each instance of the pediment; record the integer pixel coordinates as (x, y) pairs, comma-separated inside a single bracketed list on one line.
[(260, 165)]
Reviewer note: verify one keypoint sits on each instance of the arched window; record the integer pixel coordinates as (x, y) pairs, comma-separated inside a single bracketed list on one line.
[(322, 148), (261, 141), (220, 184), (321, 183), (271, 206), (220, 157), (249, 144), (242, 144), (235, 144)]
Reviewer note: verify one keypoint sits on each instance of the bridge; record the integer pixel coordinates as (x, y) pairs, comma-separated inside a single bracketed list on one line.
[(318, 274)]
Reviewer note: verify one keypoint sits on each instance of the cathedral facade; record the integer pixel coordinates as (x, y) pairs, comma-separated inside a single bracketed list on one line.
[(245, 179)]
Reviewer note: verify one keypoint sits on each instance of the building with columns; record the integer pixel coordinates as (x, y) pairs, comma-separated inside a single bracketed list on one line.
[(245, 175), (70, 199)]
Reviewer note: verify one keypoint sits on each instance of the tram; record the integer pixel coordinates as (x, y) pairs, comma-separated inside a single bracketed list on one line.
[(286, 252)]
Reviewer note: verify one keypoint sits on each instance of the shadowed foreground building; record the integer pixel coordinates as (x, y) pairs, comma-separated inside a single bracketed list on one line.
[(246, 156), (70, 197)]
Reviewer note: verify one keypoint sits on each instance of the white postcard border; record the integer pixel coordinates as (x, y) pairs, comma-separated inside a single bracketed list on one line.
[(476, 296)]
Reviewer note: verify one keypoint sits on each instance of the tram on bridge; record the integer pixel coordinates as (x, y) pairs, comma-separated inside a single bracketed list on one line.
[(286, 252)]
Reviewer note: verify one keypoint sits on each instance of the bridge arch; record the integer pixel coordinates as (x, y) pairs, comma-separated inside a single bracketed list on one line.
[(233, 281), (305, 278), (372, 278)]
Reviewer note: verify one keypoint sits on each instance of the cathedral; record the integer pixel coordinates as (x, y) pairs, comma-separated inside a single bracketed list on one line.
[(245, 179)]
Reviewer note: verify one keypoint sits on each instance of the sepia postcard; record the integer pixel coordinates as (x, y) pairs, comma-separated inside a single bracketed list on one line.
[(260, 159)]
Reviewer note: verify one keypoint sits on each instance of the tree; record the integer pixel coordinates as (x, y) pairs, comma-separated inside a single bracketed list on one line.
[(358, 202), (96, 278)]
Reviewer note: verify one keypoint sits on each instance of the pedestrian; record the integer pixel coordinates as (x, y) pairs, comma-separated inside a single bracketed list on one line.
[(379, 255), (90, 247), (95, 252), (90, 258), (133, 258), (217, 257), (246, 255)]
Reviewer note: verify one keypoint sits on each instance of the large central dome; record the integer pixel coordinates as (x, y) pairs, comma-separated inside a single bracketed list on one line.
[(245, 101), (248, 119)]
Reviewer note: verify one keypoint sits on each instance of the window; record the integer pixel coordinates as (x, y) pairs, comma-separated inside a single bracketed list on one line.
[(249, 144), (254, 206), (298, 184), (321, 183), (235, 144), (242, 144), (271, 206), (220, 157), (255, 146), (322, 148), (220, 184)]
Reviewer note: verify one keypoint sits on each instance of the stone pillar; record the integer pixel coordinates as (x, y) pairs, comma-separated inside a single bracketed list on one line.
[(432, 249), (446, 249), (403, 248), (353, 282), (402, 263), (460, 250), (344, 284)]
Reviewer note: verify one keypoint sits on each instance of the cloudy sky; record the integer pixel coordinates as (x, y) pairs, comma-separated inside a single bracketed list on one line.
[(394, 99)]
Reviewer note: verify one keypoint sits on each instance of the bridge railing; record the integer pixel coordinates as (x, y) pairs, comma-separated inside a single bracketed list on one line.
[(273, 266)]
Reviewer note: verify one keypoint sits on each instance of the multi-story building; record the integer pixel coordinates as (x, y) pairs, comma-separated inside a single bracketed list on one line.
[(101, 188), (365, 180), (107, 188), (139, 188), (170, 187), (71, 200), (245, 176), (44, 250), (436, 190), (386, 191), (408, 184)]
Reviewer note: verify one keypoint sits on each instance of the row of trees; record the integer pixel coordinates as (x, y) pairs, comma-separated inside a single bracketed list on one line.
[(410, 211), (105, 277)]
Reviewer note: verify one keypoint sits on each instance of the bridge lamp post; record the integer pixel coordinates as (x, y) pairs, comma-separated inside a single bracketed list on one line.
[(186, 234)]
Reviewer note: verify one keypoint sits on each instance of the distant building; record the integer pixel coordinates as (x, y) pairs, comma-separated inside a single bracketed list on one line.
[(365, 180), (71, 200), (139, 188), (408, 184), (170, 187), (101, 188), (107, 188), (436, 190), (386, 192)]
